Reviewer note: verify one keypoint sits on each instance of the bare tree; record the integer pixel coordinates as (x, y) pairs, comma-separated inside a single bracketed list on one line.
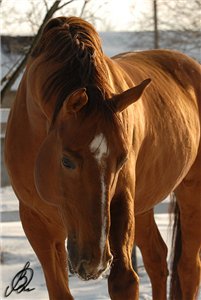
[(183, 17), (15, 71), (83, 7), (156, 34), (176, 25), (92, 13)]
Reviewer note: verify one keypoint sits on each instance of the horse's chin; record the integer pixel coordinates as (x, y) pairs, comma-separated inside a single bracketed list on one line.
[(85, 276), (88, 277)]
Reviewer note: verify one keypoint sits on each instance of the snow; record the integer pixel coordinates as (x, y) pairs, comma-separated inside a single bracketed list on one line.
[(9, 201)]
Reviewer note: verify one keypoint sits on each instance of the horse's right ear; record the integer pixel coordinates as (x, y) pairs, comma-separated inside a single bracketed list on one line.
[(128, 97), (75, 101)]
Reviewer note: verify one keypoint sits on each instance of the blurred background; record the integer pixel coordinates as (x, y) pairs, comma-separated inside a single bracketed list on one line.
[(128, 25)]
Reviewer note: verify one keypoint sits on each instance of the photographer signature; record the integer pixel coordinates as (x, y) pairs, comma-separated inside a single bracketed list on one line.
[(21, 281)]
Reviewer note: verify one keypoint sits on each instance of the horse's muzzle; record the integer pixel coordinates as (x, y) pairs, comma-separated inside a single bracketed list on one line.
[(86, 271), (87, 267)]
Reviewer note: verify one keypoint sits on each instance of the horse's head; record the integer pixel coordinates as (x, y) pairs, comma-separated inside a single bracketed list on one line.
[(77, 169)]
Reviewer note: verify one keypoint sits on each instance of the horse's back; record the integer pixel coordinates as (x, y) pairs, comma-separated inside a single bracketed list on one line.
[(162, 63)]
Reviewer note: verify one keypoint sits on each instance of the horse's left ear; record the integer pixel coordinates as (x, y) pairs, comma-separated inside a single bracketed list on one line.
[(76, 100), (128, 97)]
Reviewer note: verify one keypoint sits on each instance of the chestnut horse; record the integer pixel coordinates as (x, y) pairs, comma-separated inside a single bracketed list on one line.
[(92, 141)]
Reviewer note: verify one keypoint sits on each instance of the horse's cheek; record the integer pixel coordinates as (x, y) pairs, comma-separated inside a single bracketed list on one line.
[(47, 170)]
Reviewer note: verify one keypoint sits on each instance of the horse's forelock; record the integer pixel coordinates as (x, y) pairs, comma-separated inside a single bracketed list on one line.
[(75, 31), (75, 45)]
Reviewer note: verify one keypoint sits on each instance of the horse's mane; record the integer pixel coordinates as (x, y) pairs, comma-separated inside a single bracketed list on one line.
[(74, 45)]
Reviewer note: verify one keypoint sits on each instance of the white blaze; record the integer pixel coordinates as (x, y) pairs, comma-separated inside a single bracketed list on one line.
[(100, 150), (99, 147)]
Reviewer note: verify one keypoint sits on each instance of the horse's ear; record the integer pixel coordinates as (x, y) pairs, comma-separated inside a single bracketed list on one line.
[(76, 100), (128, 97)]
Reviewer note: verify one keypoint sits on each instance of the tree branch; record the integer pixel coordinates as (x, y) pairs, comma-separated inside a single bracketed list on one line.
[(46, 5), (10, 71), (83, 7), (13, 77), (21, 66), (65, 4)]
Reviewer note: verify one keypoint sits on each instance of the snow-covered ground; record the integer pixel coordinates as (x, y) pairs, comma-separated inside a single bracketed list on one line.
[(16, 251)]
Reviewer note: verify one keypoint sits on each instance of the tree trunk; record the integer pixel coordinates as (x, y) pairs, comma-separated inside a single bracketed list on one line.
[(156, 33)]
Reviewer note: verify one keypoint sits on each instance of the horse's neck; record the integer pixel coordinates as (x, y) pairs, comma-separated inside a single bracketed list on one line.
[(132, 118), (27, 111)]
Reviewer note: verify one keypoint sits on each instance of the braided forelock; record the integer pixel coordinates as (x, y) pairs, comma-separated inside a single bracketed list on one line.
[(85, 57), (75, 45)]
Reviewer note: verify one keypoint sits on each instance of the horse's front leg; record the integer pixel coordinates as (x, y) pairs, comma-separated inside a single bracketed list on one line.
[(47, 239), (154, 253), (123, 281)]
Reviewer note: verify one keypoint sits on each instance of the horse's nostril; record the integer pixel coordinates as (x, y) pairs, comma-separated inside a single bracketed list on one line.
[(82, 268)]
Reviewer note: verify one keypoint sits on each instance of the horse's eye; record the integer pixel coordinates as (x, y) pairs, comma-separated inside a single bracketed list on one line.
[(67, 163)]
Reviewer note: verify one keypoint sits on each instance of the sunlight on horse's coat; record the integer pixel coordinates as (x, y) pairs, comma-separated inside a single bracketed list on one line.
[(145, 106), (100, 149)]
